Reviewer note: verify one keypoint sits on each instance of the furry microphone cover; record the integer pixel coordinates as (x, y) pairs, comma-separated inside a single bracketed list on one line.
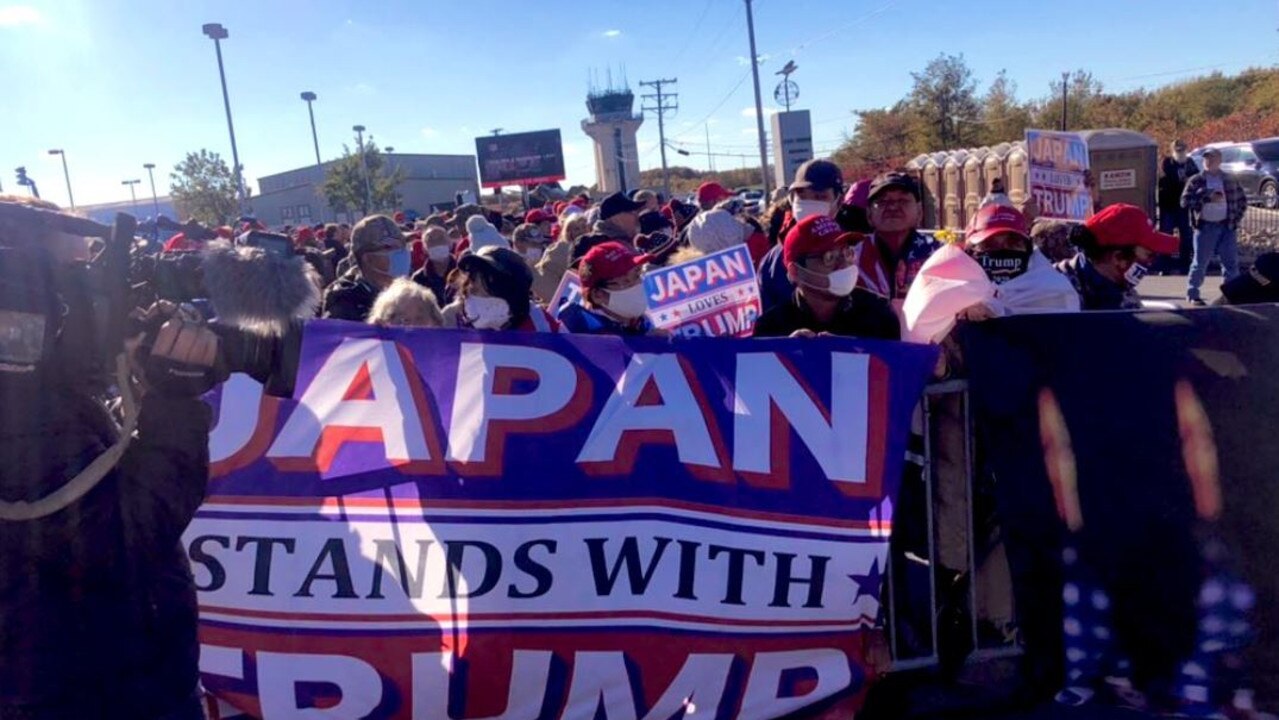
[(257, 290)]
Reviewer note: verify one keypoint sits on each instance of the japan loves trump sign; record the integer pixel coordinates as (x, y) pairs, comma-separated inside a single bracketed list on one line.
[(458, 524)]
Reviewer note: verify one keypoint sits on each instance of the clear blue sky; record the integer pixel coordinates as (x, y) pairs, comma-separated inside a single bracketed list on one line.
[(121, 83)]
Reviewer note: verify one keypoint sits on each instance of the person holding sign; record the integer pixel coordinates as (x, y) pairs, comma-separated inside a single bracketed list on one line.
[(821, 261), (613, 298)]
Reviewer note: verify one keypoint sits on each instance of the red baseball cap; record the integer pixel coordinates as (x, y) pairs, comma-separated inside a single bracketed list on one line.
[(559, 208), (538, 216), (710, 193), (608, 261), (399, 218), (812, 236), (1123, 225), (996, 219)]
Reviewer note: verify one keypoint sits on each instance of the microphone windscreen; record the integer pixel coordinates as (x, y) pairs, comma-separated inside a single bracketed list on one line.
[(259, 290)]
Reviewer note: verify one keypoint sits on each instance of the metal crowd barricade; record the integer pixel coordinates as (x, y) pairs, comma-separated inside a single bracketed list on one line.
[(899, 604)]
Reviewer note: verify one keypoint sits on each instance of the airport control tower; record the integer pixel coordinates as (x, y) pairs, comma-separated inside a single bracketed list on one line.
[(612, 125)]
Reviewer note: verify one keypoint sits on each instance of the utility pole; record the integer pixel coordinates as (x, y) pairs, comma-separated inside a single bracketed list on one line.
[(759, 103), (708, 147), (1065, 89), (664, 101)]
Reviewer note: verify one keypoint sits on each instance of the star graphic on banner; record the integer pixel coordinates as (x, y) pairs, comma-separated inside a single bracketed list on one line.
[(662, 317), (675, 313), (868, 584)]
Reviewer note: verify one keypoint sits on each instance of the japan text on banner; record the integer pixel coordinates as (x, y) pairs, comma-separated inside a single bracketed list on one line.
[(1058, 162), (458, 524), (713, 295), (568, 292)]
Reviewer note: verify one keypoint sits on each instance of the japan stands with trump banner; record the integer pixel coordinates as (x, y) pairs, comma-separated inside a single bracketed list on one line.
[(455, 524)]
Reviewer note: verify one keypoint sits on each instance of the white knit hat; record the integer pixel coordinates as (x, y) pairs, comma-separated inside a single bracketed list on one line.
[(715, 230), (483, 234)]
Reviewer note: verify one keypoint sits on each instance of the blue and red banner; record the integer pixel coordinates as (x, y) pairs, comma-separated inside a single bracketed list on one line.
[(458, 524)]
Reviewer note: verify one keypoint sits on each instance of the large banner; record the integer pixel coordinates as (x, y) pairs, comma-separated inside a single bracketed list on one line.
[(1136, 466), (1058, 163), (457, 524)]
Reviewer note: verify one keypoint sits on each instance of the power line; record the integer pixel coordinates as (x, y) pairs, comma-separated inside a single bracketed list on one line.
[(663, 102), (691, 36), (714, 110), (837, 30)]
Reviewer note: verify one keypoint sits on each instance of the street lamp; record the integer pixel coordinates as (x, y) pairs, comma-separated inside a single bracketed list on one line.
[(368, 194), (155, 201), (65, 174), (132, 194), (217, 33), (310, 97)]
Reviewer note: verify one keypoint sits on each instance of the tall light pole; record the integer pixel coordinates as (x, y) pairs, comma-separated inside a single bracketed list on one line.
[(217, 33), (132, 194), (65, 174), (364, 165), (155, 200), (759, 103), (310, 97)]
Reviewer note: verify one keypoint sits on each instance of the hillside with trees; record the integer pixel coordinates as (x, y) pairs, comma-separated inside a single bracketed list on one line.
[(947, 108)]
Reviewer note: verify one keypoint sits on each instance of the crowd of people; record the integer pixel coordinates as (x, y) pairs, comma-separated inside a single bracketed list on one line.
[(833, 258)]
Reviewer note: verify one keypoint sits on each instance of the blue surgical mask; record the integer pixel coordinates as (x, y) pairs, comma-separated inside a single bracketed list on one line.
[(399, 263)]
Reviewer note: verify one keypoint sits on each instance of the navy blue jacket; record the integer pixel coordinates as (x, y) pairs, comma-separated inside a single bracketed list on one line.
[(576, 318)]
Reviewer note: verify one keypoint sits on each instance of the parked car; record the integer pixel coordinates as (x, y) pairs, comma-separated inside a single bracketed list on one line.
[(1254, 164)]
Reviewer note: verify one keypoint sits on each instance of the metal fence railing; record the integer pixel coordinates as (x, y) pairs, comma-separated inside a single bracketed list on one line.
[(934, 611), (1260, 221)]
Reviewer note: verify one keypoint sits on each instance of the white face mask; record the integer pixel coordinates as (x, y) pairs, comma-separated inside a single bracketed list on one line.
[(629, 303), (438, 253), (801, 209), (1136, 273), (840, 283), (533, 254), (486, 313)]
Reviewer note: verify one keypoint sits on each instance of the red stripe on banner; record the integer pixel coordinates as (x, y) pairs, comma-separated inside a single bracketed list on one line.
[(638, 503), (586, 615)]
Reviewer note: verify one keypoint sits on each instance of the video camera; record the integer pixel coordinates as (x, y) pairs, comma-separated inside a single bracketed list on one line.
[(256, 295)]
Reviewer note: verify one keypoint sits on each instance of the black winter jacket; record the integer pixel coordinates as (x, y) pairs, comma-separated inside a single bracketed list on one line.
[(349, 298), (97, 604)]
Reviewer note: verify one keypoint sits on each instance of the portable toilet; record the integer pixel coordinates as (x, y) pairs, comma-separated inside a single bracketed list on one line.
[(1125, 166)]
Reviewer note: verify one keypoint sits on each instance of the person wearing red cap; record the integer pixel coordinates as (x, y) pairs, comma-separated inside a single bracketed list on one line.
[(543, 219), (710, 194), (613, 298), (1117, 247), (821, 261)]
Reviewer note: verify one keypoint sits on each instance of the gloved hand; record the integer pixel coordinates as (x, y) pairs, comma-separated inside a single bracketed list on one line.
[(183, 358)]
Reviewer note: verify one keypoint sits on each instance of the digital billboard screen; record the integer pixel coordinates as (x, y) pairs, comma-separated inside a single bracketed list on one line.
[(520, 159)]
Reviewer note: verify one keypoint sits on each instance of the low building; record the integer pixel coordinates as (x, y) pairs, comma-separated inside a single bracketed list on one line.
[(430, 182), (143, 209)]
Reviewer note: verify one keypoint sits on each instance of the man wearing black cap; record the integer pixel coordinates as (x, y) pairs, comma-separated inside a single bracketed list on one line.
[(619, 218), (818, 186), (898, 250)]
